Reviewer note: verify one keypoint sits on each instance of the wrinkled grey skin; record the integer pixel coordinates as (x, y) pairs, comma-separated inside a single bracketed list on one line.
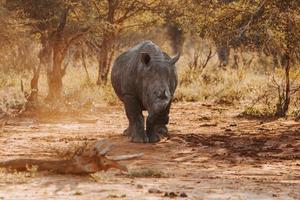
[(145, 78)]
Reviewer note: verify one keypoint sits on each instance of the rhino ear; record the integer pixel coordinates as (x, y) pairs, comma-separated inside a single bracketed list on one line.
[(145, 58), (174, 59)]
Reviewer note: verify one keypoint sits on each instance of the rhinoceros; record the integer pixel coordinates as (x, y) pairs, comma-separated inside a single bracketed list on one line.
[(145, 78)]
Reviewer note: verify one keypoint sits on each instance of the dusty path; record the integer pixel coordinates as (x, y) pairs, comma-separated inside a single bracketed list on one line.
[(211, 154)]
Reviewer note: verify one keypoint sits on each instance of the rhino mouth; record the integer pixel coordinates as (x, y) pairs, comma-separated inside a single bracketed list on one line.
[(161, 101), (160, 106)]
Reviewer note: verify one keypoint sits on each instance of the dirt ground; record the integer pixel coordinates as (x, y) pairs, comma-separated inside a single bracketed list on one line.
[(211, 154)]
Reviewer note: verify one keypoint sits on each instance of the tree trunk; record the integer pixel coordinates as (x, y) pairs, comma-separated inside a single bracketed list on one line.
[(83, 61), (284, 100), (283, 106), (54, 74), (104, 60), (223, 52), (287, 87), (44, 60), (176, 37), (33, 96)]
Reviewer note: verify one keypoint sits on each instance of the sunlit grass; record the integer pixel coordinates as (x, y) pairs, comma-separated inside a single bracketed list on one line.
[(251, 88)]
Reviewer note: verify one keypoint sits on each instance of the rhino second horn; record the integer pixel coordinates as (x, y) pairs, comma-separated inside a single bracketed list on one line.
[(175, 59)]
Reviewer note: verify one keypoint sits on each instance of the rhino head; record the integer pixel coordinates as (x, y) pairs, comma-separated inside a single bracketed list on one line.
[(158, 79)]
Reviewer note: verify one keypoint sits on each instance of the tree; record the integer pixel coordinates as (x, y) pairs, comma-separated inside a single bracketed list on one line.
[(260, 26), (11, 32), (7, 20), (48, 20), (171, 12), (114, 17)]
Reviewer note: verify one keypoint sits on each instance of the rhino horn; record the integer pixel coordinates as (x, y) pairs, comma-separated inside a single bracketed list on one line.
[(175, 59)]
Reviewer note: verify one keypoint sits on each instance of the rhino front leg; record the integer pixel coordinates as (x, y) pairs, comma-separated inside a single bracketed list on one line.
[(156, 125), (136, 120), (127, 132), (162, 121)]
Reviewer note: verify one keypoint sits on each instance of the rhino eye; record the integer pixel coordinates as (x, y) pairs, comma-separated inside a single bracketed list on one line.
[(145, 58)]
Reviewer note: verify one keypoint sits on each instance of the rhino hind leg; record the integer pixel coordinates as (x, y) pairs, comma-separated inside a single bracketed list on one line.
[(136, 120)]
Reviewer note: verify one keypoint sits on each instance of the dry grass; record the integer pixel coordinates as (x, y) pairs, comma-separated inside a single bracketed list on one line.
[(147, 173), (296, 114), (11, 98), (15, 177), (79, 92), (251, 87), (70, 150), (228, 86)]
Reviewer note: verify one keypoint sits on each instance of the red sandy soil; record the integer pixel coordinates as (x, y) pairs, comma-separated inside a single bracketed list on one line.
[(211, 154)]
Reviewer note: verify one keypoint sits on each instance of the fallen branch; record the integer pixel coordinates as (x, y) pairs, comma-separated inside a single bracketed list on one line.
[(86, 162)]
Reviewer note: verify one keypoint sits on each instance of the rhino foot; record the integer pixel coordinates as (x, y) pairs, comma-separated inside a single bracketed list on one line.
[(126, 132), (162, 130), (153, 138), (140, 139)]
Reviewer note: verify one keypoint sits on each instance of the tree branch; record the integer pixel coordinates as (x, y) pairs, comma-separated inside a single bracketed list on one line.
[(62, 23), (254, 15), (87, 161), (77, 35)]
